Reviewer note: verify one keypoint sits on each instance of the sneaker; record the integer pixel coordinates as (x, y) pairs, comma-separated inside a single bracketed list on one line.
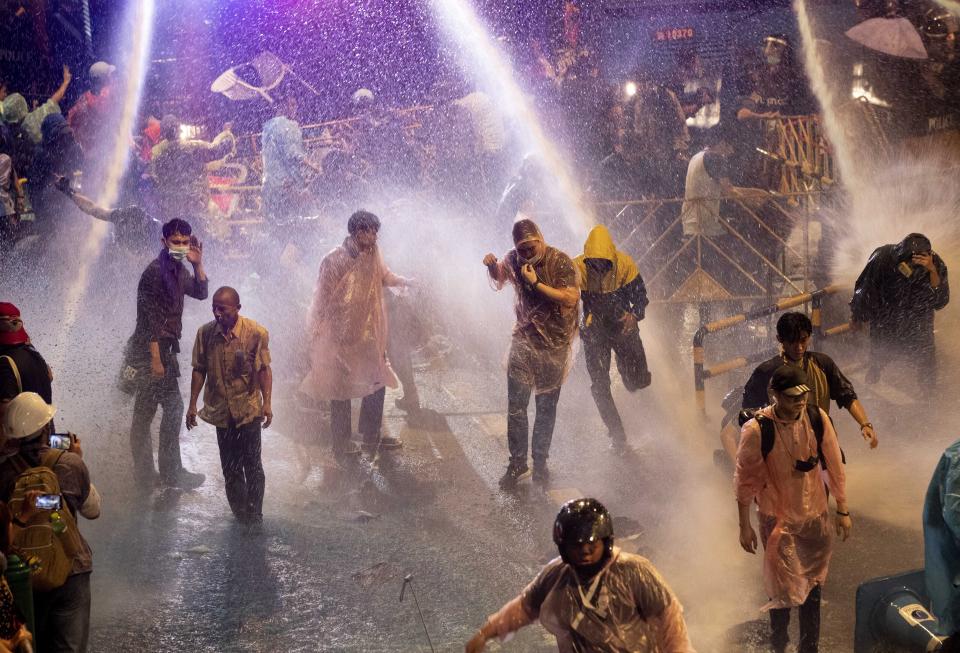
[(618, 445), (254, 524), (515, 473), (346, 450), (541, 475), (407, 404), (386, 442), (185, 480)]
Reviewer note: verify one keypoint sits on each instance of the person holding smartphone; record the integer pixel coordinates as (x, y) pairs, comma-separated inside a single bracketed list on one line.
[(151, 355), (62, 614)]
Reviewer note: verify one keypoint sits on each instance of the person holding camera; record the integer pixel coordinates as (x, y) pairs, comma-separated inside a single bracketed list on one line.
[(782, 453), (63, 613), (232, 356), (151, 366)]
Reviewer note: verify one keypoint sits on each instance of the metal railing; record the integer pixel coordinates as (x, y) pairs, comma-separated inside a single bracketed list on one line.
[(799, 147), (701, 373), (651, 231)]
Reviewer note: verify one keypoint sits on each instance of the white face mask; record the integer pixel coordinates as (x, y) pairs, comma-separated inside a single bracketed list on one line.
[(178, 253), (774, 59)]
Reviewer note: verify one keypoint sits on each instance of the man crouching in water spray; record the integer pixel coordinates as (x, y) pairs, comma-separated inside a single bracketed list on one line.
[(594, 597), (540, 354)]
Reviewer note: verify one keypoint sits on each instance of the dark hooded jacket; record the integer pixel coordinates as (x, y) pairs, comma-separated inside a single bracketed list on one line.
[(896, 297)]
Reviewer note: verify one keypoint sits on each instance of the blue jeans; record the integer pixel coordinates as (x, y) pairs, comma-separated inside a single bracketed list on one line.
[(63, 616), (518, 430), (163, 393)]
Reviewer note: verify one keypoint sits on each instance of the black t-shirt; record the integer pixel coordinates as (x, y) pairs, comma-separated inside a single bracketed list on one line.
[(34, 373)]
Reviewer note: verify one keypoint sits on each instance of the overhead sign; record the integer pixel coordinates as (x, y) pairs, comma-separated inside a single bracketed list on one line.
[(674, 34)]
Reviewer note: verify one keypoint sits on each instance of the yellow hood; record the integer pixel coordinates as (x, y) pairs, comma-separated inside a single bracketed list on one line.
[(600, 245)]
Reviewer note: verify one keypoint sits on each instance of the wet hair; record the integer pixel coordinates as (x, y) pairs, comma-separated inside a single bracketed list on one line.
[(176, 226), (524, 230), (719, 133), (231, 293), (792, 326), (362, 221), (716, 166)]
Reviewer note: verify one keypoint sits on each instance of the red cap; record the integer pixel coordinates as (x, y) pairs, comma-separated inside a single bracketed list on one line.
[(10, 317)]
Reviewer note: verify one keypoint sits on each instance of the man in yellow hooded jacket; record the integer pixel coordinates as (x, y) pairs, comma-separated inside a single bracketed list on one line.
[(614, 301)]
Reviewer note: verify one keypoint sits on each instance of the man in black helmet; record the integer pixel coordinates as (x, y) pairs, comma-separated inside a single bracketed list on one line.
[(594, 597), (897, 293)]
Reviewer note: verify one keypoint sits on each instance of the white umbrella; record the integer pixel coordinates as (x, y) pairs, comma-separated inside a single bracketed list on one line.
[(255, 78), (893, 35)]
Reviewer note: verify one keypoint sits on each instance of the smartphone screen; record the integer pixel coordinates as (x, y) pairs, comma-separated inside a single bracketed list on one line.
[(48, 502), (60, 441)]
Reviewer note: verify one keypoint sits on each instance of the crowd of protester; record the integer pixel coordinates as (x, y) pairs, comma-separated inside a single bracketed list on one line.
[(627, 143)]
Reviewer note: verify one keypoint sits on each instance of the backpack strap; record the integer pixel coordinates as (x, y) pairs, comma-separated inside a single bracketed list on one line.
[(16, 372), (51, 457), (768, 435), (816, 421)]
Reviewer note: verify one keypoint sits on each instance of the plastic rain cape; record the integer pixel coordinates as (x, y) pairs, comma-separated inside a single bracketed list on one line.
[(347, 331)]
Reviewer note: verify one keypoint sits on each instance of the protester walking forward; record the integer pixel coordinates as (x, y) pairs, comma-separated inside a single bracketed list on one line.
[(232, 356)]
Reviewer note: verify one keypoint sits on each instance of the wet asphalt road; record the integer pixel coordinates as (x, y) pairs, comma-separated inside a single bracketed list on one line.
[(175, 573)]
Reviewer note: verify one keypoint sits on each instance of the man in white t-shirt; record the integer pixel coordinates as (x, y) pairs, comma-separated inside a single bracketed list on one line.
[(708, 180)]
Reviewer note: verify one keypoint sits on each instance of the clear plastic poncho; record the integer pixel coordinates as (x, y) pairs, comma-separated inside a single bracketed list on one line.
[(626, 608), (347, 330), (541, 350)]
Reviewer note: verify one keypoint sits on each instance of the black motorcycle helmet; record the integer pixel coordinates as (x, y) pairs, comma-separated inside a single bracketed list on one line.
[(583, 520)]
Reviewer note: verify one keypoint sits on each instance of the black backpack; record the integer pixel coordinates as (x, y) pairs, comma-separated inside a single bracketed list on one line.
[(768, 434)]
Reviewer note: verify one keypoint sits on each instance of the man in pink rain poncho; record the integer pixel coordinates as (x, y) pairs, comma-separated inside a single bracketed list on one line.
[(348, 331), (788, 457), (547, 294)]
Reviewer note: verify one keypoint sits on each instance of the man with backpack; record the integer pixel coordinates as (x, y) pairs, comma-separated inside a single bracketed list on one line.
[(779, 461), (46, 523), (828, 382)]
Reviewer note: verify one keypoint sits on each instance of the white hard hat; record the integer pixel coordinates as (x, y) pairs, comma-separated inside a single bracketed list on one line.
[(101, 70), (26, 414)]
